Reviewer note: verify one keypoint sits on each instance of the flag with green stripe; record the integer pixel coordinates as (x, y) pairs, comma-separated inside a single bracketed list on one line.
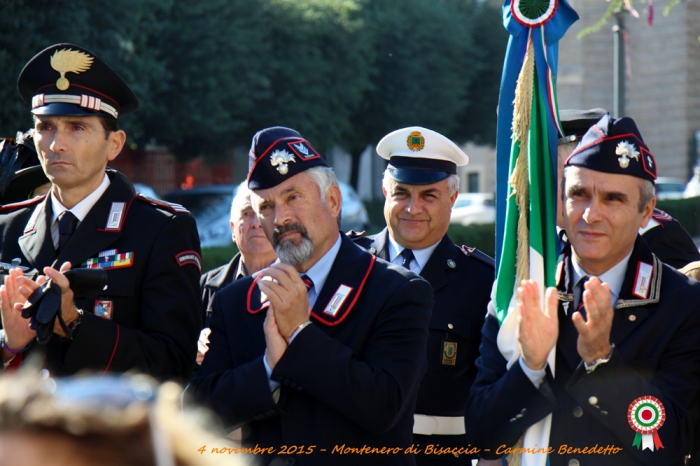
[(528, 131)]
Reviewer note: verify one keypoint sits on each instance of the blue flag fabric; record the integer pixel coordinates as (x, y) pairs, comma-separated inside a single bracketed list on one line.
[(545, 54)]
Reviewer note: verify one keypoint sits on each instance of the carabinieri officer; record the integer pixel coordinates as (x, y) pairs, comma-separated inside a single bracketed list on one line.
[(147, 318), (321, 368)]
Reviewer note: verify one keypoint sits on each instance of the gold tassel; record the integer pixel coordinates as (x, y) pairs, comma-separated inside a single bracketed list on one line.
[(516, 459), (520, 178), (520, 183)]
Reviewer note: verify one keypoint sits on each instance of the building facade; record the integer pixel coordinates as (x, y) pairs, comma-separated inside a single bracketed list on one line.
[(662, 76)]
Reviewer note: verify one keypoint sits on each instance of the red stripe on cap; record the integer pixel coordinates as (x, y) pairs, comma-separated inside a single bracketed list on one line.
[(113, 102), (610, 138), (252, 169)]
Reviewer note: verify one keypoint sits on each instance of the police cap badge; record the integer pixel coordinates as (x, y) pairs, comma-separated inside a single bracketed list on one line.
[(67, 80), (420, 156), (615, 146), (277, 154)]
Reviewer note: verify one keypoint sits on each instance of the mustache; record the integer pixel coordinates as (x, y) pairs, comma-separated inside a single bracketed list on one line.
[(279, 231)]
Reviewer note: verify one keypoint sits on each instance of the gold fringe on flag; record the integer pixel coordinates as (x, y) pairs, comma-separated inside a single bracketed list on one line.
[(520, 178), (520, 181)]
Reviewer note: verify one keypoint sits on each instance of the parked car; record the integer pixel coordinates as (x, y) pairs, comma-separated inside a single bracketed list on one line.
[(669, 188), (353, 213), (473, 208), (211, 208), (692, 189)]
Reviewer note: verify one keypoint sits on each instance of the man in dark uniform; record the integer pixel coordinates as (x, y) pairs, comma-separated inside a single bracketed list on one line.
[(254, 253), (420, 186), (147, 318), (254, 250), (321, 368), (21, 176), (624, 326), (665, 235)]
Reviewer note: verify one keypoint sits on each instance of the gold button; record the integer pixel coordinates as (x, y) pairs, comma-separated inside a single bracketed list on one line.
[(450, 326), (632, 317), (593, 400)]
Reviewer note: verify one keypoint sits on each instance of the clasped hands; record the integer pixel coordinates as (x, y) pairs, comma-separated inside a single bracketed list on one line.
[(14, 293), (289, 308), (538, 331)]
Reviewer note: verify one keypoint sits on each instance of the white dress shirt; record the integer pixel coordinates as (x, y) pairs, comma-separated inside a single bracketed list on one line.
[(80, 210), (421, 256)]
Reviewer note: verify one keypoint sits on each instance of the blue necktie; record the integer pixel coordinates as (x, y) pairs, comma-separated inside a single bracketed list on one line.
[(407, 258)]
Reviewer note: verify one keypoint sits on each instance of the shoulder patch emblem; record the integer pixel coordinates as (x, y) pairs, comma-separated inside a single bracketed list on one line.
[(661, 216), (355, 234), (478, 255), (18, 205), (189, 257), (170, 206)]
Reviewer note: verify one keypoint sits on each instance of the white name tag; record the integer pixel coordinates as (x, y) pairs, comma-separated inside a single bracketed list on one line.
[(642, 281), (337, 300), (115, 216)]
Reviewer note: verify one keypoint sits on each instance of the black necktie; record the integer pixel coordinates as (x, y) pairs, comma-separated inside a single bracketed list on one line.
[(407, 258), (568, 335), (307, 281), (67, 222), (580, 308)]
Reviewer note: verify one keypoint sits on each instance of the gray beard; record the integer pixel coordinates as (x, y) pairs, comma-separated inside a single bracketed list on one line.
[(294, 254)]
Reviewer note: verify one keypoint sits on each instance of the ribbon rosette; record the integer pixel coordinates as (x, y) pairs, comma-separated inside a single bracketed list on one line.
[(646, 415)]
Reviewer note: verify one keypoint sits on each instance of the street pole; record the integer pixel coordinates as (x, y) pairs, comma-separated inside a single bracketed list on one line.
[(619, 64)]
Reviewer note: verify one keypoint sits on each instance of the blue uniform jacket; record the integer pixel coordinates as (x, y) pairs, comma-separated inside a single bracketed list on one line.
[(348, 381), (461, 280), (657, 353)]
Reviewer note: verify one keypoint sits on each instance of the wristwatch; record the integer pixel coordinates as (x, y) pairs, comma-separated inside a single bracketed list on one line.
[(73, 326)]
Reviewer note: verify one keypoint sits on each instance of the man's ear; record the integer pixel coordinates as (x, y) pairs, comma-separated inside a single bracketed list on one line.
[(453, 198), (648, 211), (116, 141), (334, 199)]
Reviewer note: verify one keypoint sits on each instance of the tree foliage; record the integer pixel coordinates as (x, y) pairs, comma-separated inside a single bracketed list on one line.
[(619, 5), (209, 74), (111, 30)]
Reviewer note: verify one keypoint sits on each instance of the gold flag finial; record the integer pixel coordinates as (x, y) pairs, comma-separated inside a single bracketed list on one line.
[(69, 61)]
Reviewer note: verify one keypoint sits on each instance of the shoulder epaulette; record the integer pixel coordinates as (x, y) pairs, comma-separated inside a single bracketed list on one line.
[(478, 255), (169, 206), (661, 216), (18, 205), (352, 234)]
